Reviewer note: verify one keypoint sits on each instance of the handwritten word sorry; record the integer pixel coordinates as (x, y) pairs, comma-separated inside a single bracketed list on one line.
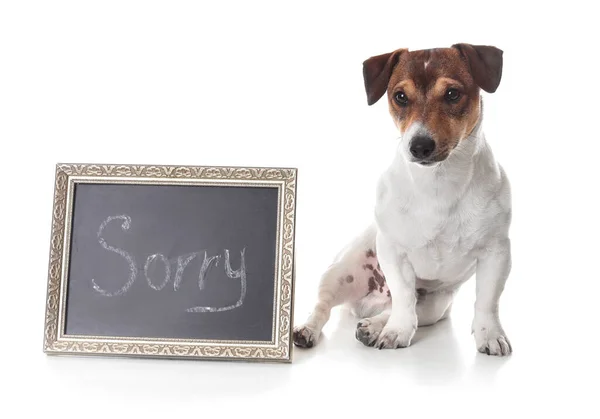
[(181, 262)]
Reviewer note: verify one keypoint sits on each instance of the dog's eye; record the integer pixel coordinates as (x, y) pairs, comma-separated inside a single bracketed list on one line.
[(401, 98), (452, 95)]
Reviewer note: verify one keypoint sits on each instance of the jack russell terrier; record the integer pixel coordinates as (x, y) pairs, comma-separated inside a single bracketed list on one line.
[(442, 211)]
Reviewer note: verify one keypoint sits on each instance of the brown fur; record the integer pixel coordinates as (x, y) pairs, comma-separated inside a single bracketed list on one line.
[(372, 284), (379, 279), (464, 67)]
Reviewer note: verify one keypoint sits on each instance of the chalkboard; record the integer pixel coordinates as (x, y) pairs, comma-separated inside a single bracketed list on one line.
[(199, 262), (172, 262)]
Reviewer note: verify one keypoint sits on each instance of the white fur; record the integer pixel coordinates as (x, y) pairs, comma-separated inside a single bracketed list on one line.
[(446, 222), (435, 227)]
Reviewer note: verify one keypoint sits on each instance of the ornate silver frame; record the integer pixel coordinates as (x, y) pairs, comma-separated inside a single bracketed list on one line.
[(67, 175)]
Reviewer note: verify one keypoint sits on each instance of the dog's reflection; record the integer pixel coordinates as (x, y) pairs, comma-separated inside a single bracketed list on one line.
[(437, 356)]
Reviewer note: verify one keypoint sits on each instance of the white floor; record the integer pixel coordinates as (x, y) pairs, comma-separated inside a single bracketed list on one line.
[(552, 371)]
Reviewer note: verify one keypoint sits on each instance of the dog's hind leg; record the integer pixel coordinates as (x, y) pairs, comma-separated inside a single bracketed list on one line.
[(431, 308), (336, 288), (345, 281), (375, 318)]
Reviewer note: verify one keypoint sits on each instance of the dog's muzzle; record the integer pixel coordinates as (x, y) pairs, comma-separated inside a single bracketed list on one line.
[(421, 148)]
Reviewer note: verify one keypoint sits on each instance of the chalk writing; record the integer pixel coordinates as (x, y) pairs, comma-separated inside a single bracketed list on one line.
[(132, 268), (181, 263), (167, 271), (241, 273), (205, 267)]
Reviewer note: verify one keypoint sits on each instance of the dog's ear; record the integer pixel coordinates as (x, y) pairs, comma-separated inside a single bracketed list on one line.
[(485, 63), (377, 72)]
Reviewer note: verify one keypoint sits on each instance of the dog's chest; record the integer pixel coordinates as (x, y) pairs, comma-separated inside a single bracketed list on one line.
[(439, 239)]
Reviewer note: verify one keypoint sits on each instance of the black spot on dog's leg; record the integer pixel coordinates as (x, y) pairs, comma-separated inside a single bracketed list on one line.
[(372, 284), (379, 279)]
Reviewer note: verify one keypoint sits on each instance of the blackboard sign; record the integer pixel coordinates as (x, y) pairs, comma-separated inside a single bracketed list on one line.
[(169, 261)]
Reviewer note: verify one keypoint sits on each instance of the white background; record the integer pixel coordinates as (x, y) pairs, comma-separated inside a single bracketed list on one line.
[(280, 84)]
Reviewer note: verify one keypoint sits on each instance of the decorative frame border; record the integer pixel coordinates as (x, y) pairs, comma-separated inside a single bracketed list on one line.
[(68, 175)]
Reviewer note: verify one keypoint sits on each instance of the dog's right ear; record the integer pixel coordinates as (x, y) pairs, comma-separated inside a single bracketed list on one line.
[(377, 72), (485, 63)]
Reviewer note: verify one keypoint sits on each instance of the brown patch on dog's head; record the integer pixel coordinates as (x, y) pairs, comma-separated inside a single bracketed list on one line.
[(438, 89)]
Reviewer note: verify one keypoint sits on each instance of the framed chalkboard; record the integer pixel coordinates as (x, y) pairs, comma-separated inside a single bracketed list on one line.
[(172, 261)]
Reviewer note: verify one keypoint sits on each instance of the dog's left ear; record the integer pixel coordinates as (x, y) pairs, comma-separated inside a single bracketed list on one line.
[(377, 72), (485, 63)]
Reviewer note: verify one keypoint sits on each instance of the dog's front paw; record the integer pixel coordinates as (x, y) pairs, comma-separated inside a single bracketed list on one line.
[(497, 344), (490, 339), (305, 337), (393, 338)]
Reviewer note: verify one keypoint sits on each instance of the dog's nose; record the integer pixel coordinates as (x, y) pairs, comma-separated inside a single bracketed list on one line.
[(422, 147)]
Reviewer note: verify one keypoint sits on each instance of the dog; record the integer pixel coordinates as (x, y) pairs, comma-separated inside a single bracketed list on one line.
[(442, 209)]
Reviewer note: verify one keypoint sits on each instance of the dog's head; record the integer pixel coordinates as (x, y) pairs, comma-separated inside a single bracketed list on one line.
[(433, 94)]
